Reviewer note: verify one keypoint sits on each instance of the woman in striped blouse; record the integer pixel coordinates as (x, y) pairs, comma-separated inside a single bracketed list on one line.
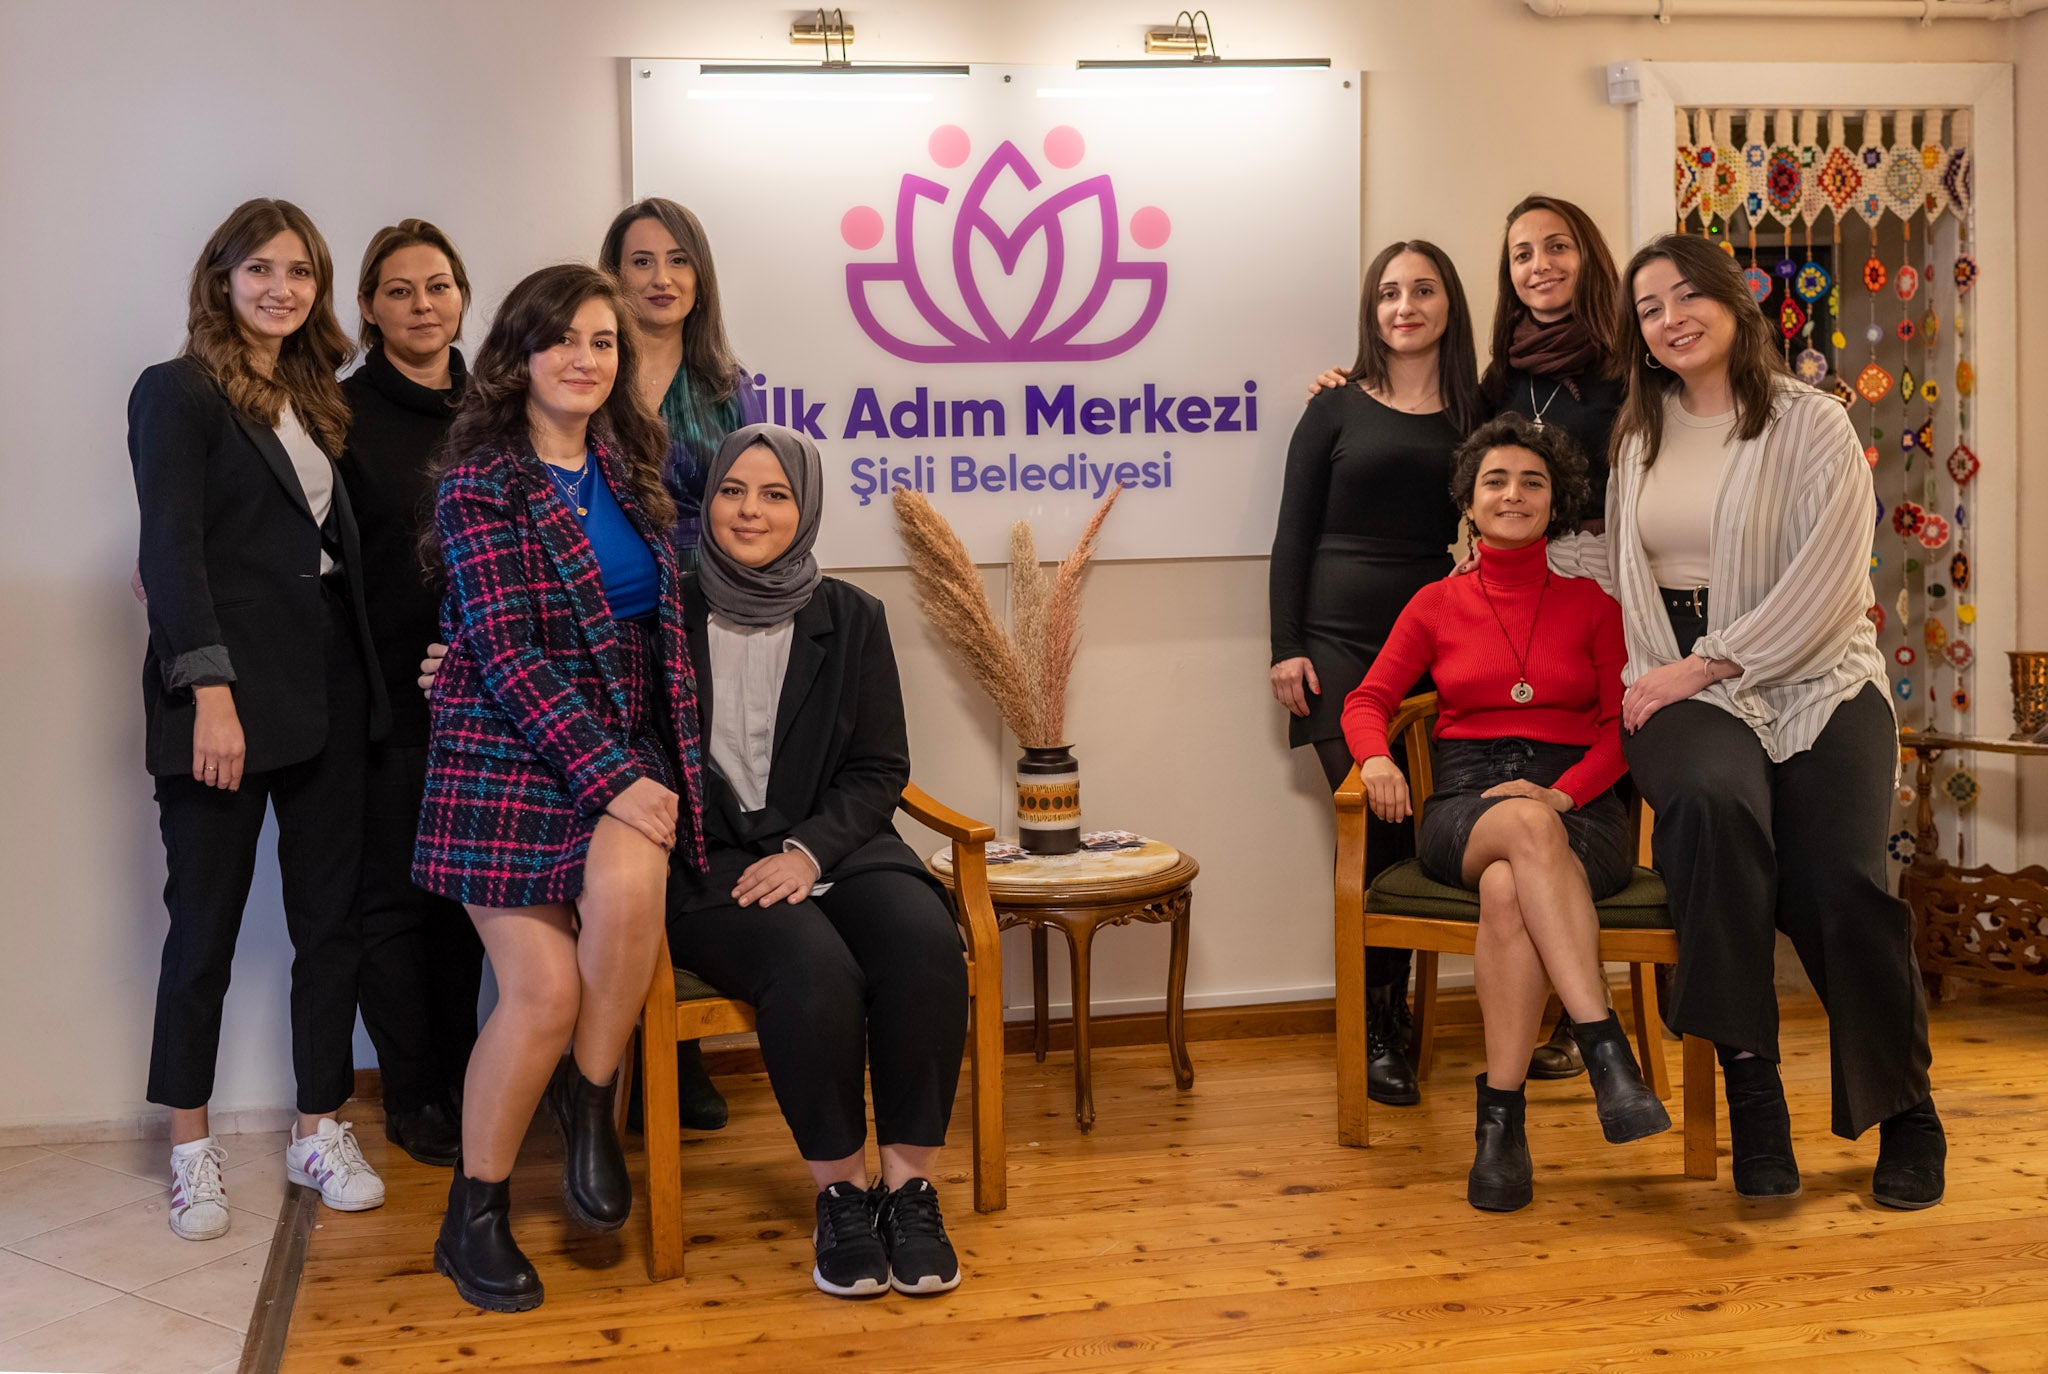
[(1758, 728)]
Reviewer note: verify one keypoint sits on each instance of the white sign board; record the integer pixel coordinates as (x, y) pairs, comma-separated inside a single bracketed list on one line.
[(1016, 288)]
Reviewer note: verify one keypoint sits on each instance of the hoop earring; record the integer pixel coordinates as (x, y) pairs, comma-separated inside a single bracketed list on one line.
[(1650, 360)]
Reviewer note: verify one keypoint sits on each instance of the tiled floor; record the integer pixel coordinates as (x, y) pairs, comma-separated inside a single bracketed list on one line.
[(91, 1278)]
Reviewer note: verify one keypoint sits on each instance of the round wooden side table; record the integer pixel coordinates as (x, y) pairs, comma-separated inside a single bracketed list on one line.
[(1081, 893)]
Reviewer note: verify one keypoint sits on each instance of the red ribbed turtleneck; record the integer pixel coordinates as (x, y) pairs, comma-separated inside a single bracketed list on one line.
[(1573, 663)]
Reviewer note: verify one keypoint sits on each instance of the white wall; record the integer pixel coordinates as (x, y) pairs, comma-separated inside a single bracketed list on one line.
[(128, 130)]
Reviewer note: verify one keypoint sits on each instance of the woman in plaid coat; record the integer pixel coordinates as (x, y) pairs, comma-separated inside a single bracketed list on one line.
[(564, 765)]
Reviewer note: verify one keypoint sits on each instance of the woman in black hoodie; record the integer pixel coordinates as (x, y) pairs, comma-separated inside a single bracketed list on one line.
[(422, 962)]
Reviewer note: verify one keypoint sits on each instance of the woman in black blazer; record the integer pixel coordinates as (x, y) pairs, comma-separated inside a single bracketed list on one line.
[(422, 962), (258, 684), (811, 907)]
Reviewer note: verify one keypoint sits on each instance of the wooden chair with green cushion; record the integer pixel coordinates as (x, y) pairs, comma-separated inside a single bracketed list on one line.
[(1406, 909), (681, 1006)]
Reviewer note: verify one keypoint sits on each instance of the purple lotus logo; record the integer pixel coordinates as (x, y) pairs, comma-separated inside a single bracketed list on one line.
[(1052, 287)]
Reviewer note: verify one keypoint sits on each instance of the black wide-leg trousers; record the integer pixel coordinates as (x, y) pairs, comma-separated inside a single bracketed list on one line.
[(1749, 847), (865, 981), (210, 842), (423, 961)]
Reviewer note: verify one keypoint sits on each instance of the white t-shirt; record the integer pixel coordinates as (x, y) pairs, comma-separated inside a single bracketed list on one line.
[(316, 474), (1675, 508)]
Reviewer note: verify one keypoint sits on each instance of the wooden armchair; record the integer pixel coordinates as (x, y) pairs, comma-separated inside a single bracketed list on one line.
[(681, 1006), (1405, 909)]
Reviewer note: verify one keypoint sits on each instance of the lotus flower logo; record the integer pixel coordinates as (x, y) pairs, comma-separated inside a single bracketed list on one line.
[(1052, 287)]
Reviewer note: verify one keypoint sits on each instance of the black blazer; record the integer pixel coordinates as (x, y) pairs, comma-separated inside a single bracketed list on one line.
[(842, 754), (230, 560)]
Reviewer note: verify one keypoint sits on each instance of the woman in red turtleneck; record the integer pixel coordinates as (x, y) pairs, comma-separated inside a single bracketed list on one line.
[(1527, 666)]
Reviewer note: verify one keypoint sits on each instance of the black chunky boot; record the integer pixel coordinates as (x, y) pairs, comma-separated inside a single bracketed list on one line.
[(700, 1104), (1912, 1159), (594, 1178), (431, 1134), (1389, 1077), (1558, 1057), (1759, 1128), (1628, 1109), (476, 1249), (1502, 1177)]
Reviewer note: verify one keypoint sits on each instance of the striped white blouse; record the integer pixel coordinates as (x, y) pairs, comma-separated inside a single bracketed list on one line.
[(1793, 526)]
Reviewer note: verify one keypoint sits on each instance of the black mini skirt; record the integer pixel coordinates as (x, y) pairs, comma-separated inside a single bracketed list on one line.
[(1465, 768)]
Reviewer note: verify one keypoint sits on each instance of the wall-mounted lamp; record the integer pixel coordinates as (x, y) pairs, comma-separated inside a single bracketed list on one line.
[(829, 31), (1197, 45)]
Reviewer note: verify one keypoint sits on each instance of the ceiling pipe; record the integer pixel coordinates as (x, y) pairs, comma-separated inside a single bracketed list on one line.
[(1926, 11)]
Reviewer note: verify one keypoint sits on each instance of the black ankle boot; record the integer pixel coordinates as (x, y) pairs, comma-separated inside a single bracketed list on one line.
[(1389, 1077), (1912, 1159), (476, 1249), (1558, 1057), (1628, 1109), (702, 1106), (1759, 1129), (431, 1134), (593, 1165), (1502, 1174)]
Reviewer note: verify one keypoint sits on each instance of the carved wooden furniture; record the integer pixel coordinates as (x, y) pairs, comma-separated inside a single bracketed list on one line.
[(1978, 923), (1080, 894), (680, 1006), (1405, 909)]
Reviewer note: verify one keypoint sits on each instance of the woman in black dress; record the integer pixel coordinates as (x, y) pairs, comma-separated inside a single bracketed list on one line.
[(422, 962), (1366, 521)]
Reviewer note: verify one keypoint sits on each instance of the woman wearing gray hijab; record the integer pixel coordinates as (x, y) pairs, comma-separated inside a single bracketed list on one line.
[(811, 907)]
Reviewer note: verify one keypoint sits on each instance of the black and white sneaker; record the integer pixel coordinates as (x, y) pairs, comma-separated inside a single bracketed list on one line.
[(851, 1260), (921, 1258)]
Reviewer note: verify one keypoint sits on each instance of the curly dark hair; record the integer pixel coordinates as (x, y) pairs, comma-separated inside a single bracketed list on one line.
[(1570, 487)]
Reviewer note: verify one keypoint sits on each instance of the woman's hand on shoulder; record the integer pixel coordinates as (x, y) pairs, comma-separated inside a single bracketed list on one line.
[(649, 808), (1522, 787), (1294, 679), (784, 877), (1330, 379), (430, 667), (1386, 788)]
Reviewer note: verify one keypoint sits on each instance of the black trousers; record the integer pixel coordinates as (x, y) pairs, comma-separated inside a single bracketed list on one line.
[(1749, 847), (868, 976), (1386, 844), (210, 842), (423, 962)]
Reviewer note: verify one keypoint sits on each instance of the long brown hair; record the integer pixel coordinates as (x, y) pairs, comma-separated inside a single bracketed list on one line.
[(1754, 367), (407, 233), (309, 356), (1457, 365), (1592, 299), (493, 414), (707, 356)]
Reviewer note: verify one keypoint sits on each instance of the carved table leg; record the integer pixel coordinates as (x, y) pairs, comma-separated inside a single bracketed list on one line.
[(1080, 944), (1038, 1036), (1176, 998)]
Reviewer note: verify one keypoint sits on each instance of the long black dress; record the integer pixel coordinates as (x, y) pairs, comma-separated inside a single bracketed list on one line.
[(422, 962), (1366, 521)]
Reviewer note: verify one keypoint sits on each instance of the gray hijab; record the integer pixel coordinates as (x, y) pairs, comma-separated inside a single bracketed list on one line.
[(764, 596)]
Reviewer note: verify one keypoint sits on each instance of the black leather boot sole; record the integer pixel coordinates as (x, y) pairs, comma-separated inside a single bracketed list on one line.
[(475, 1249), (1912, 1160), (1628, 1109), (595, 1186), (1503, 1176)]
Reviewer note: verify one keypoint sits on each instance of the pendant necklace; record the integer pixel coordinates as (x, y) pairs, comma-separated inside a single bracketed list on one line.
[(572, 491), (1539, 409), (1522, 692)]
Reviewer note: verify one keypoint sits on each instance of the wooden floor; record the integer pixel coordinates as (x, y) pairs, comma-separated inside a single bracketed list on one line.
[(1223, 1229)]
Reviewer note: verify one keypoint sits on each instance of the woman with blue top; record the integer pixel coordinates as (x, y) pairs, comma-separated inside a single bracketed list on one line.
[(563, 768), (688, 375)]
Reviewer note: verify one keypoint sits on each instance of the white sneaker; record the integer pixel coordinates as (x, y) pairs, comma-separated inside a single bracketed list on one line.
[(331, 1161), (199, 1199)]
